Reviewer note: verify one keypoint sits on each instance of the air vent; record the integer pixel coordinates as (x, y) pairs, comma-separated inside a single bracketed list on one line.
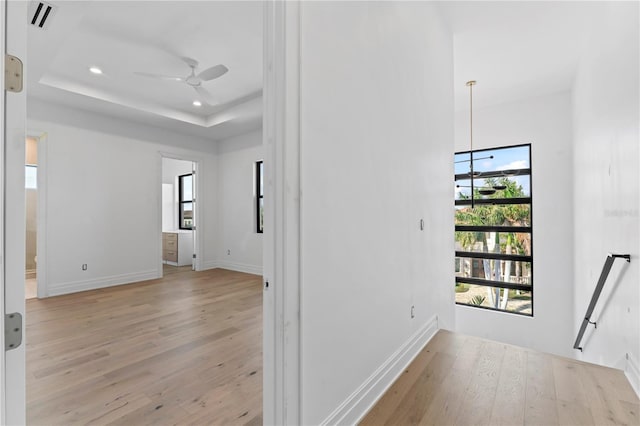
[(40, 14)]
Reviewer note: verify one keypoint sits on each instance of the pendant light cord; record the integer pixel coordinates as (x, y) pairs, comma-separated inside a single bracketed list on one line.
[(471, 83)]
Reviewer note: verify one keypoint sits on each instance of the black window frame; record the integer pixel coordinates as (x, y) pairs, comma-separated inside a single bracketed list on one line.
[(259, 170), (181, 202), (491, 228)]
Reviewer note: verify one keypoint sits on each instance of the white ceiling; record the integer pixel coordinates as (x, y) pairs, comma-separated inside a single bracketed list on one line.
[(124, 37), (516, 49), (513, 49)]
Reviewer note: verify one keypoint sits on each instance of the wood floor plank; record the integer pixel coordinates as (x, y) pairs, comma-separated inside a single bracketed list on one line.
[(509, 403), (133, 354), (413, 406), (481, 391), (448, 401), (462, 380), (384, 408), (540, 394)]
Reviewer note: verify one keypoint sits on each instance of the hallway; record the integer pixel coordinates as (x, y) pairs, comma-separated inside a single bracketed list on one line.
[(463, 380)]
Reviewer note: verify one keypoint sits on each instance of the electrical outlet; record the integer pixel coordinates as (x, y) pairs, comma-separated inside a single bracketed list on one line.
[(228, 252), (84, 266)]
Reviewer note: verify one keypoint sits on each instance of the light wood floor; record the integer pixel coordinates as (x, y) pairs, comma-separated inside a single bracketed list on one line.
[(186, 349), (461, 380)]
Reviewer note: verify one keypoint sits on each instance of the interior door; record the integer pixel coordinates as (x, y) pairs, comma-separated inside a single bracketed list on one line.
[(13, 247)]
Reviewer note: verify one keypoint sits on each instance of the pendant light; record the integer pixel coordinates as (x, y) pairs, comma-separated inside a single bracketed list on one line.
[(470, 85), (483, 190)]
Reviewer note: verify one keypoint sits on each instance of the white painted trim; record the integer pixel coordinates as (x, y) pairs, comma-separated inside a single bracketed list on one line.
[(358, 404), (632, 371), (3, 376), (281, 238), (240, 267), (209, 264), (101, 282)]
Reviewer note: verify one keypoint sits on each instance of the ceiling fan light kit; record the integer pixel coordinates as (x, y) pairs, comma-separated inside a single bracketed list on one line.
[(194, 80)]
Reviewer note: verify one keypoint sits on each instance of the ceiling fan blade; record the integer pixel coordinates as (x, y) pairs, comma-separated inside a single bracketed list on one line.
[(205, 95), (159, 76), (213, 72), (189, 61)]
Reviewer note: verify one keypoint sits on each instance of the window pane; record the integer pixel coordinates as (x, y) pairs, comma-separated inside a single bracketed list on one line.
[(491, 297), (508, 271), (500, 176), (504, 186), (186, 215), (261, 218), (494, 242), (503, 159), (187, 188), (31, 177), (261, 185), (500, 215)]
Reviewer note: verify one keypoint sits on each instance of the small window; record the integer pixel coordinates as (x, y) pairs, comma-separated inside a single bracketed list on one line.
[(185, 204), (31, 177), (259, 197), (493, 229)]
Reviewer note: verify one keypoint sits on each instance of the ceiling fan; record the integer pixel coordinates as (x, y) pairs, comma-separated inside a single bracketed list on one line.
[(194, 80)]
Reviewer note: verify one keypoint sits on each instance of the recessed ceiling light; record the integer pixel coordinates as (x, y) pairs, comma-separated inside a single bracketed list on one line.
[(95, 70), (197, 103)]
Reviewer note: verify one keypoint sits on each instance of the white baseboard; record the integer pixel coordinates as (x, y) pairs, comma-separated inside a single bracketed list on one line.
[(633, 374), (240, 267), (354, 408), (209, 264), (102, 282)]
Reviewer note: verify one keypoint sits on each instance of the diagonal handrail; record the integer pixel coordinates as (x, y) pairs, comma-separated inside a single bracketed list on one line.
[(596, 295)]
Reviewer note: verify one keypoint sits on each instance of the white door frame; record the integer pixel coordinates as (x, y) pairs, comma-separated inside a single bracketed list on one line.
[(281, 138), (281, 265), (197, 233), (3, 411), (14, 221)]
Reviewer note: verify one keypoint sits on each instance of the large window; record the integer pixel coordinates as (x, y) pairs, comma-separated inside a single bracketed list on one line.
[(259, 197), (185, 204), (493, 229)]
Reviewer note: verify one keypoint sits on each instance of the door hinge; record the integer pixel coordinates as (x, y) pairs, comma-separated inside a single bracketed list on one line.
[(12, 74), (12, 331), (194, 255), (193, 228)]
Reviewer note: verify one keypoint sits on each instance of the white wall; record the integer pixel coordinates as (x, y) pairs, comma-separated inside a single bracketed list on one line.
[(545, 122), (103, 186), (376, 157), (240, 246), (607, 187), (172, 168)]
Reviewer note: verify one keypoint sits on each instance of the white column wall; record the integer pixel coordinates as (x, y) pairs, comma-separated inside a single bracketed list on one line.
[(376, 137), (607, 188), (240, 245)]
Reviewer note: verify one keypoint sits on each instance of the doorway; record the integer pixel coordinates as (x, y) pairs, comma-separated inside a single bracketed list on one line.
[(16, 399), (31, 217), (178, 214)]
